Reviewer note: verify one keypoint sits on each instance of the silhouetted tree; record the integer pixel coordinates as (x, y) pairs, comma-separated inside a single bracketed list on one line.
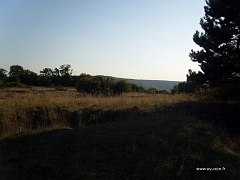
[(15, 70), (174, 90), (29, 78), (56, 72), (46, 72), (46, 76), (197, 78), (3, 74), (65, 70), (219, 58), (25, 76), (61, 76), (185, 87)]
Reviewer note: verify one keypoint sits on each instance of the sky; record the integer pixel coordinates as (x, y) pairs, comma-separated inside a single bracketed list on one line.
[(138, 39)]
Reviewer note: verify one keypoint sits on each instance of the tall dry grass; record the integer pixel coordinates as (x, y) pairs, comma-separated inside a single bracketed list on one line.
[(48, 97), (40, 108)]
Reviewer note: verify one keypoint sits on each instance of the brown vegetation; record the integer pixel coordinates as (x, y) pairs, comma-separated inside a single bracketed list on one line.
[(63, 134), (40, 108)]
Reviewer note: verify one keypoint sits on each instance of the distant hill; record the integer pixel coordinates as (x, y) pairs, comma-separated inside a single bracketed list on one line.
[(158, 84)]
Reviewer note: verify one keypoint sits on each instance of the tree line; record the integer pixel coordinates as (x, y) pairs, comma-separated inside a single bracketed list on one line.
[(62, 77), (18, 76)]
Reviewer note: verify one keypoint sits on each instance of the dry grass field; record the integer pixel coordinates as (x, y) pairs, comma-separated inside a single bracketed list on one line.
[(50, 134), (20, 106), (70, 98)]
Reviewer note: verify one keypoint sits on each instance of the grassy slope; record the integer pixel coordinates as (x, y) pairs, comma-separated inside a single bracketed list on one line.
[(168, 146)]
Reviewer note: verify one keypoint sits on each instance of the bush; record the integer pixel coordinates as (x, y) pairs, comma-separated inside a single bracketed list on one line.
[(121, 87), (152, 91), (88, 84), (15, 84), (163, 92)]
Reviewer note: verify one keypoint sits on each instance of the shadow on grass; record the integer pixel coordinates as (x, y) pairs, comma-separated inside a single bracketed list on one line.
[(223, 114), (166, 144)]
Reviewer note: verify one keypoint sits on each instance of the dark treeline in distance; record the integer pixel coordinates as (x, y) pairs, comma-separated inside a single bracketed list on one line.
[(62, 77)]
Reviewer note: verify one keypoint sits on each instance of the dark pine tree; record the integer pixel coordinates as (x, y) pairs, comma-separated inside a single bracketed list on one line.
[(219, 58)]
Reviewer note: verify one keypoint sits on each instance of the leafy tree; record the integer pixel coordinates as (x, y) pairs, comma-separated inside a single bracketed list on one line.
[(121, 86), (185, 87), (194, 80), (197, 78), (46, 72), (29, 77), (3, 74), (88, 84), (56, 72), (13, 79), (62, 75), (15, 70), (219, 58), (106, 84), (65, 70), (46, 76), (135, 87)]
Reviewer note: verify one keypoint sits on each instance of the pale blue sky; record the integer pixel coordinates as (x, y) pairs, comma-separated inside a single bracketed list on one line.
[(141, 39)]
